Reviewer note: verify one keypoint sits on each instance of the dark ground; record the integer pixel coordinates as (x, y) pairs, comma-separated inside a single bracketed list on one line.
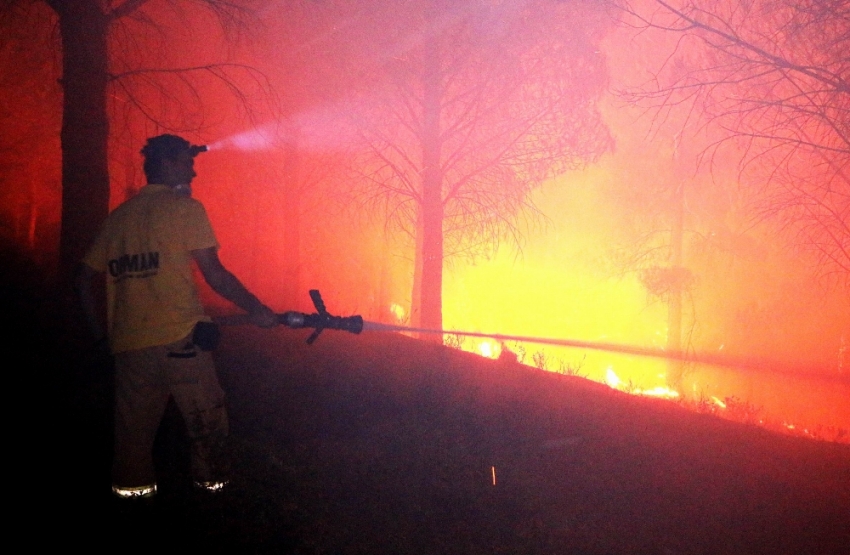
[(379, 444)]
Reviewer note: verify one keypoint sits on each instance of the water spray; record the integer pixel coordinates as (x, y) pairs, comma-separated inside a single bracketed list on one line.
[(355, 324), (322, 320), (712, 359)]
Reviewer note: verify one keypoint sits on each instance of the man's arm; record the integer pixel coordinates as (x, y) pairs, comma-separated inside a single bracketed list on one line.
[(83, 286), (228, 286)]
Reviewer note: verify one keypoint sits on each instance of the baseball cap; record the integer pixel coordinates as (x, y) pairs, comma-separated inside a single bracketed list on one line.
[(169, 147)]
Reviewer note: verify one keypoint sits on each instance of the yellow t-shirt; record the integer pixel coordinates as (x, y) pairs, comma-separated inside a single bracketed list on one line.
[(145, 249)]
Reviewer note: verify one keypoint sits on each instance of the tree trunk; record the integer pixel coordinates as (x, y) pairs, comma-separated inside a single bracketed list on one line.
[(432, 192), (675, 370), (416, 295), (85, 128), (432, 253)]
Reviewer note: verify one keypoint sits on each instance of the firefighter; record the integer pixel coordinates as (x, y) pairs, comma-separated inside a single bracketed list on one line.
[(156, 326)]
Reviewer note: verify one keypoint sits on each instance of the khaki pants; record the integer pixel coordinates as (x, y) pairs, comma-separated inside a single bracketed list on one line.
[(144, 380)]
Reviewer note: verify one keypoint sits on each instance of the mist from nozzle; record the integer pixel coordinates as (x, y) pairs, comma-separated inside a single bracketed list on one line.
[(323, 128), (254, 140)]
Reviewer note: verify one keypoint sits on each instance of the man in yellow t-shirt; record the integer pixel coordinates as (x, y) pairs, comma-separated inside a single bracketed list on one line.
[(146, 249)]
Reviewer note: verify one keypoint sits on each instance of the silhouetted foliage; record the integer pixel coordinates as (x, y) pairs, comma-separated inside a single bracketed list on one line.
[(773, 75)]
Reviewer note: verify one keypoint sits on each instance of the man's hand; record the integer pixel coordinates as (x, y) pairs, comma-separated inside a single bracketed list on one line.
[(263, 317)]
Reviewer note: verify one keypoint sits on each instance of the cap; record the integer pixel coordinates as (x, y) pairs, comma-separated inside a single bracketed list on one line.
[(169, 147)]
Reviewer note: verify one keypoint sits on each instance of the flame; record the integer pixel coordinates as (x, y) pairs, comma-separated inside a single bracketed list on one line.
[(613, 381), (718, 402), (398, 312), (489, 349), (732, 408), (659, 391)]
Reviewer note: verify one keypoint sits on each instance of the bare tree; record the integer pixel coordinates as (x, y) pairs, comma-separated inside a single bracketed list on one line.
[(94, 39), (773, 75), (469, 106)]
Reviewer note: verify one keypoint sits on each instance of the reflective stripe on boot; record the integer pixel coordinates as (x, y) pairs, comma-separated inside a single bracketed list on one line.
[(210, 486), (134, 492)]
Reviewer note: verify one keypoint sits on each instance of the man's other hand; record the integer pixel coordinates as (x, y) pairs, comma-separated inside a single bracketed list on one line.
[(263, 317)]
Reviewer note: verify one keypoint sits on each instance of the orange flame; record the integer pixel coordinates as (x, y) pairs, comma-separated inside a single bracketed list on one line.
[(398, 312), (613, 381), (489, 349)]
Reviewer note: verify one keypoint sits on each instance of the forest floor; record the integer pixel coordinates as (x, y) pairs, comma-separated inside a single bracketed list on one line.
[(381, 444)]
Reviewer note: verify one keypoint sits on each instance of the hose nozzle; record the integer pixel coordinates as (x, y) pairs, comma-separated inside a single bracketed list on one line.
[(320, 320)]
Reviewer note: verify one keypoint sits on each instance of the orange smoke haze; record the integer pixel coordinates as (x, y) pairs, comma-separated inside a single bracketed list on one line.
[(752, 296), (287, 222), (562, 287)]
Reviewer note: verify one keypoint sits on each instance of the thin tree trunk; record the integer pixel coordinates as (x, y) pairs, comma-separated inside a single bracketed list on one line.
[(416, 294), (432, 185), (674, 303)]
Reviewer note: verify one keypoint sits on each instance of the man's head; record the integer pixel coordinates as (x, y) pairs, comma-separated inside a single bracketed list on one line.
[(170, 160)]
